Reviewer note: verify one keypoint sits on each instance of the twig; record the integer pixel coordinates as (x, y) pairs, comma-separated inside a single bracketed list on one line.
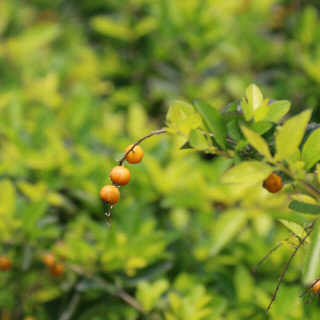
[(152, 133), (287, 266), (310, 287), (121, 161), (253, 271), (312, 297), (109, 287)]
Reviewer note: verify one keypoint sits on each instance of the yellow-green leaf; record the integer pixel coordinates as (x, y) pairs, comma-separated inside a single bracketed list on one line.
[(257, 142), (290, 135)]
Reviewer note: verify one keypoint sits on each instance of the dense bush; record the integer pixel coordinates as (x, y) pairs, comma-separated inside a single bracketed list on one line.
[(80, 80)]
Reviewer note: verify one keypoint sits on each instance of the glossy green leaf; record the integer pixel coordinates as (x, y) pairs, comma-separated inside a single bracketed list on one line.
[(257, 142), (247, 109), (311, 149), (277, 110), (303, 207), (247, 172), (261, 112), (311, 267), (198, 140), (254, 96), (290, 135), (295, 228), (260, 127), (214, 120), (234, 131)]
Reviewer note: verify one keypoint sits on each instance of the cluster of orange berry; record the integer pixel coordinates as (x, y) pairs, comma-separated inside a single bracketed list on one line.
[(5, 263), (273, 183), (55, 268), (120, 176)]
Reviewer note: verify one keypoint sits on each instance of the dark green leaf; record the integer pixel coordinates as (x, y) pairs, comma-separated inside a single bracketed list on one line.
[(304, 207), (214, 120)]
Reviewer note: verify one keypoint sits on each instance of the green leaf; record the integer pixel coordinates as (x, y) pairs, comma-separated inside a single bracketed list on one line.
[(247, 172), (262, 110), (311, 149), (257, 142), (247, 109), (277, 110), (234, 130), (260, 127), (241, 276), (295, 228), (226, 227), (318, 172), (214, 120), (312, 263), (254, 96), (290, 136), (107, 26), (303, 207), (198, 140)]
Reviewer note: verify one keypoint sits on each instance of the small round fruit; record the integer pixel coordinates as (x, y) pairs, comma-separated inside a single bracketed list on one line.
[(120, 175), (316, 287), (110, 194), (273, 183), (134, 156), (57, 269), (5, 263), (30, 318), (49, 259)]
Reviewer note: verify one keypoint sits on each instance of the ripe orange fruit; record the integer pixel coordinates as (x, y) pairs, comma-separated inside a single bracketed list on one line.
[(5, 263), (273, 183), (57, 269), (30, 318), (316, 287), (120, 175), (49, 259), (134, 156), (110, 194)]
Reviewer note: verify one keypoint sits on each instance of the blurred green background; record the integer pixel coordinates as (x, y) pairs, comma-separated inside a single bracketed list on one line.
[(82, 79)]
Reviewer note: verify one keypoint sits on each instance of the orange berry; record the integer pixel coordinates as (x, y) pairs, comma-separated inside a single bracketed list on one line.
[(134, 156), (120, 175), (316, 287), (5, 263), (30, 318), (49, 259), (57, 269), (110, 194), (273, 183)]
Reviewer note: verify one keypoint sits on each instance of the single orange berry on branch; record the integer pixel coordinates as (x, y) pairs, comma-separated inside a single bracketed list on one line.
[(57, 269), (120, 175), (134, 156), (5, 263), (48, 259), (110, 194), (273, 183), (316, 287)]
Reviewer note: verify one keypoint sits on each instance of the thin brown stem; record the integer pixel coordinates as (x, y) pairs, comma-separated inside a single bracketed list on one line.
[(152, 133), (253, 271), (287, 266), (310, 287)]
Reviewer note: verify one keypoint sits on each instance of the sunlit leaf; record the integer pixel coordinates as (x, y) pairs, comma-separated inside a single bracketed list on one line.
[(290, 135), (247, 172)]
